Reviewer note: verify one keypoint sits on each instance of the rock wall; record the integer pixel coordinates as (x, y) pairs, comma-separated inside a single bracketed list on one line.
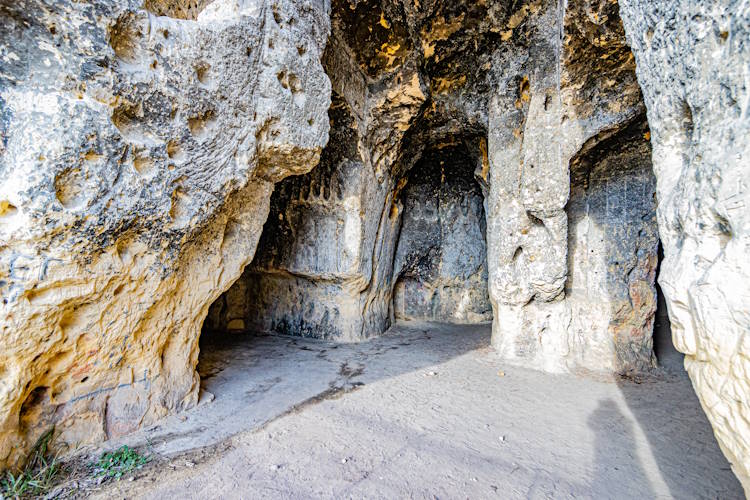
[(314, 262), (139, 148), (569, 94), (440, 268), (613, 253), (530, 91), (692, 64)]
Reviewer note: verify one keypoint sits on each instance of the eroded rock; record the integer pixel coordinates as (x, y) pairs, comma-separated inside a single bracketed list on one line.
[(690, 58), (526, 91), (482, 154), (553, 309), (137, 162), (440, 269)]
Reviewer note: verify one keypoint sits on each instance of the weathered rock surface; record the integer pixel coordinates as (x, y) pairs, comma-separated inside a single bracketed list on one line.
[(482, 155), (314, 260), (139, 148), (692, 64), (440, 268), (498, 82), (553, 309), (612, 253)]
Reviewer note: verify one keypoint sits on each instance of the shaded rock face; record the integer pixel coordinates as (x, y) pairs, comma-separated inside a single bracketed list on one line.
[(429, 96), (315, 256), (137, 160), (690, 56), (440, 267), (575, 88), (612, 251)]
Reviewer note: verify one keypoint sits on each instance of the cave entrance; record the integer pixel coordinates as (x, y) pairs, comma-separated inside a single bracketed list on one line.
[(440, 264)]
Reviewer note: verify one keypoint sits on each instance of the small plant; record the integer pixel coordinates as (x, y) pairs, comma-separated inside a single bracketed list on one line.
[(15, 486), (119, 462), (37, 476)]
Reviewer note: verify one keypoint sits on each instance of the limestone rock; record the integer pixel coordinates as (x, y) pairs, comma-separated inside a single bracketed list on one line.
[(569, 291), (527, 92), (486, 160), (440, 267), (692, 59), (139, 147)]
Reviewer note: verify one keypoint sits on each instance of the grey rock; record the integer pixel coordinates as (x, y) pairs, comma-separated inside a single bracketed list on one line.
[(692, 59)]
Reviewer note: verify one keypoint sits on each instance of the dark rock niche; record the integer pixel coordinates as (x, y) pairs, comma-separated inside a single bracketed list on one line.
[(612, 244), (440, 269), (309, 276), (305, 275)]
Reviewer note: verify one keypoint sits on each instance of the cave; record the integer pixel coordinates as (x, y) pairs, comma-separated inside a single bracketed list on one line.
[(433, 201), (302, 200), (307, 277), (297, 282)]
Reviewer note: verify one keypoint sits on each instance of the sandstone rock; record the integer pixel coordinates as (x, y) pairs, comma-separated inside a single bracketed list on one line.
[(440, 268), (315, 257), (139, 147), (570, 291), (692, 61)]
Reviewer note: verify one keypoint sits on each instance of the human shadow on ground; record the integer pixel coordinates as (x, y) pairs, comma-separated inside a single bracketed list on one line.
[(617, 469)]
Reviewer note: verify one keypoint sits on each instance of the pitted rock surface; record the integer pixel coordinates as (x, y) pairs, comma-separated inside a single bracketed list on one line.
[(137, 161), (486, 160), (692, 59)]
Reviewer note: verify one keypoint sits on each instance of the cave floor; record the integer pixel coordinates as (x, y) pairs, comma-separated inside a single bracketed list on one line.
[(425, 411)]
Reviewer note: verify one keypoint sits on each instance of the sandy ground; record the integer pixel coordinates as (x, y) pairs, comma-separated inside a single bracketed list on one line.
[(427, 411)]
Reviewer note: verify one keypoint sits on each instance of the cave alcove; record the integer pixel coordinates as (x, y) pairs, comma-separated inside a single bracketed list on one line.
[(391, 226), (666, 353), (440, 265)]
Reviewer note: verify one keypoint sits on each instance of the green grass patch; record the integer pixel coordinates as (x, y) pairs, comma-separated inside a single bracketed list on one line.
[(119, 462)]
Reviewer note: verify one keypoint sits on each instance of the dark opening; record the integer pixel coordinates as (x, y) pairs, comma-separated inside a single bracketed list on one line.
[(666, 353)]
